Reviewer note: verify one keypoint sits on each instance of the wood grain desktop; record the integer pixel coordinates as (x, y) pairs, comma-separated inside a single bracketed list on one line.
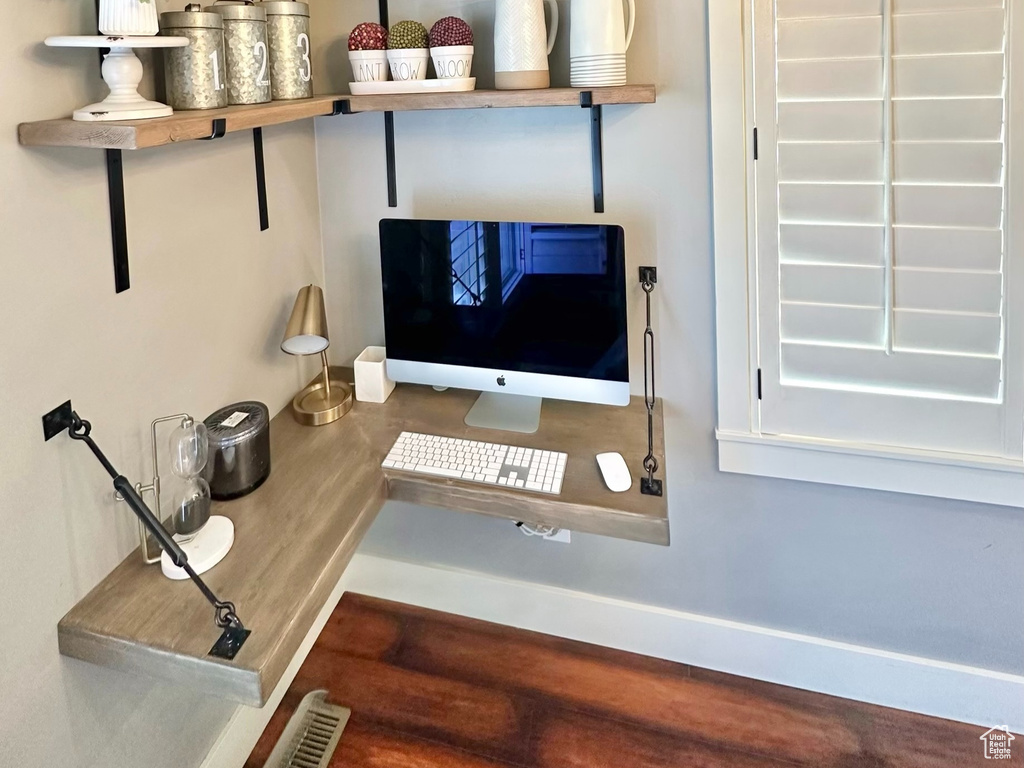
[(295, 535), (431, 690)]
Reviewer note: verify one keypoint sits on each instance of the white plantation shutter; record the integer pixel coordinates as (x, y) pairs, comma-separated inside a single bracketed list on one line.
[(885, 258)]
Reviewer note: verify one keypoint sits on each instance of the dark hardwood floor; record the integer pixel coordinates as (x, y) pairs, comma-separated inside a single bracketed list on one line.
[(430, 690)]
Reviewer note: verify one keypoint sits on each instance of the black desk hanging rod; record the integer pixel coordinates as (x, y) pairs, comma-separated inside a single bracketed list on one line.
[(63, 418)]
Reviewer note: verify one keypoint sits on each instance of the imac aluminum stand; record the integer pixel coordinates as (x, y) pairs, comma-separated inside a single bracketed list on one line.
[(511, 413)]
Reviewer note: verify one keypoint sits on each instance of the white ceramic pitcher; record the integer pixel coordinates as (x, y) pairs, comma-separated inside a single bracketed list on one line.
[(522, 44), (599, 29)]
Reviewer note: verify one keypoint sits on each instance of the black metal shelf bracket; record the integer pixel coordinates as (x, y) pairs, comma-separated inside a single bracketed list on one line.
[(649, 485), (389, 150), (261, 179), (118, 219), (341, 107), (596, 147), (389, 126), (219, 129)]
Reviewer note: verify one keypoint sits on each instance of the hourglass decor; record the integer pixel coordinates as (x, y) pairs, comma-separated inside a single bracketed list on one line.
[(206, 539)]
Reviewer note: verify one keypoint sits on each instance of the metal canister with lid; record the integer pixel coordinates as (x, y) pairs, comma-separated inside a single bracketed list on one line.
[(239, 459), (291, 63), (194, 76), (247, 55)]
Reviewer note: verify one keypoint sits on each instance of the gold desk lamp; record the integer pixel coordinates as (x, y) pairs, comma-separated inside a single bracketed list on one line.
[(327, 398)]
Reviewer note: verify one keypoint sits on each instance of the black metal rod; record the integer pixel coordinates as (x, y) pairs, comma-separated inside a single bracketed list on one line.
[(597, 155), (118, 220), (649, 486), (389, 148), (261, 179), (224, 612), (383, 9), (132, 498)]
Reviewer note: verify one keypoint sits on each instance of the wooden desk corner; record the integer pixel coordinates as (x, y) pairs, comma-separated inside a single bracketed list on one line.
[(296, 534)]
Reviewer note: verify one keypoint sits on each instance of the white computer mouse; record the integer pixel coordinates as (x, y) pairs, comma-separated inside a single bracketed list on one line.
[(615, 472)]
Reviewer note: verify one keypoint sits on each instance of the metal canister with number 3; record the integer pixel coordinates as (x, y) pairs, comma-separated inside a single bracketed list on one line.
[(291, 63)]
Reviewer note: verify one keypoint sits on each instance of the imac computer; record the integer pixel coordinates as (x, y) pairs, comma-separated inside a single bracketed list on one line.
[(518, 311)]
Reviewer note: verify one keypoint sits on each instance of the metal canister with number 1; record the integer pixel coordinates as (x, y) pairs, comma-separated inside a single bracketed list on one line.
[(291, 63), (195, 75)]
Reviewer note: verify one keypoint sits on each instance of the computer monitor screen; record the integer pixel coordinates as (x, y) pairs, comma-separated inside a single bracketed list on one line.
[(523, 308)]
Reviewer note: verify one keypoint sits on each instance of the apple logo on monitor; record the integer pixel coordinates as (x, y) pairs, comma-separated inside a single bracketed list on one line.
[(501, 381)]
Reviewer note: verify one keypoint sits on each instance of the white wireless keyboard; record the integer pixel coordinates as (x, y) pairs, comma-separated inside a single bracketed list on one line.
[(489, 463)]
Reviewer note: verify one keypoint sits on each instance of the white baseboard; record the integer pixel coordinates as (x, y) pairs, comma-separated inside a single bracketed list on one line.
[(936, 688)]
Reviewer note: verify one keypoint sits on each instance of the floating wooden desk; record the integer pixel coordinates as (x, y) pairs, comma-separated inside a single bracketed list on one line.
[(296, 534)]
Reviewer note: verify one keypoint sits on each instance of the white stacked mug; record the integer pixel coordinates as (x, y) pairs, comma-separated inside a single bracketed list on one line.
[(599, 39)]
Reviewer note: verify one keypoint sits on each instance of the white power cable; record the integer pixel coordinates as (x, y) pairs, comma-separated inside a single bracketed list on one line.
[(544, 531)]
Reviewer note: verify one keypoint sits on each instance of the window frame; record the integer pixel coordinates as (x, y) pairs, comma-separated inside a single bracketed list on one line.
[(742, 449)]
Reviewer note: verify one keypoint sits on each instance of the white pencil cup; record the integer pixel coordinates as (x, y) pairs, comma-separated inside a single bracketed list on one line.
[(372, 382)]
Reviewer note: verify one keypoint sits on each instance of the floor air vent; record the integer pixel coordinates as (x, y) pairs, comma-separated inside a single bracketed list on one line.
[(312, 734)]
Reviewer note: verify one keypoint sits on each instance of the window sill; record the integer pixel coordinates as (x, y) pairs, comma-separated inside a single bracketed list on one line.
[(923, 473)]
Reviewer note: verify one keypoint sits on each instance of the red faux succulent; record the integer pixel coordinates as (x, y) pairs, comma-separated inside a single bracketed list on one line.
[(368, 37), (450, 30)]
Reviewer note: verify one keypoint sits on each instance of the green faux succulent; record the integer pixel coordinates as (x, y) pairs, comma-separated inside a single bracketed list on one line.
[(407, 34)]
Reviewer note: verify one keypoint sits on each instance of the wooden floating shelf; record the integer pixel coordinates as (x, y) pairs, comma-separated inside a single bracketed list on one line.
[(188, 126), (296, 534), (548, 97)]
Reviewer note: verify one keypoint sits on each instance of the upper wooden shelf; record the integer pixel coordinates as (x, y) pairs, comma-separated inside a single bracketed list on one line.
[(188, 126), (296, 534)]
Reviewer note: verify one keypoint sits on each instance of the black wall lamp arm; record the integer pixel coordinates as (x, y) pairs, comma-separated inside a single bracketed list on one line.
[(234, 632)]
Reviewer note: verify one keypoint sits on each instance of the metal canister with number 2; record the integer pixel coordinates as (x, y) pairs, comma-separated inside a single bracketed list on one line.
[(291, 65), (247, 53), (194, 75)]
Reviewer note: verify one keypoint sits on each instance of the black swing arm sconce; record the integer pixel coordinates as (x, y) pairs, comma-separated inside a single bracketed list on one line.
[(234, 632)]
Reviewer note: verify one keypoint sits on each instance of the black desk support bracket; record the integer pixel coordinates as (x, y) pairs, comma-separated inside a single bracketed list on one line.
[(650, 485), (596, 147), (234, 634)]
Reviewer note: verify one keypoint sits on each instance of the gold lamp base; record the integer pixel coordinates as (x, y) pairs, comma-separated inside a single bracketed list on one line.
[(312, 409)]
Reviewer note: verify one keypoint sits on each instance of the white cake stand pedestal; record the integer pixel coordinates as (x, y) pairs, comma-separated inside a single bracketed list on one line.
[(122, 72)]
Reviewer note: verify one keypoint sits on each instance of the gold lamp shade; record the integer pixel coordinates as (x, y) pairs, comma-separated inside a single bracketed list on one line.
[(327, 398), (306, 333)]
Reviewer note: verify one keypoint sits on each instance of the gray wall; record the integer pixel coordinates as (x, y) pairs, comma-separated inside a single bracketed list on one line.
[(199, 328), (895, 572)]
